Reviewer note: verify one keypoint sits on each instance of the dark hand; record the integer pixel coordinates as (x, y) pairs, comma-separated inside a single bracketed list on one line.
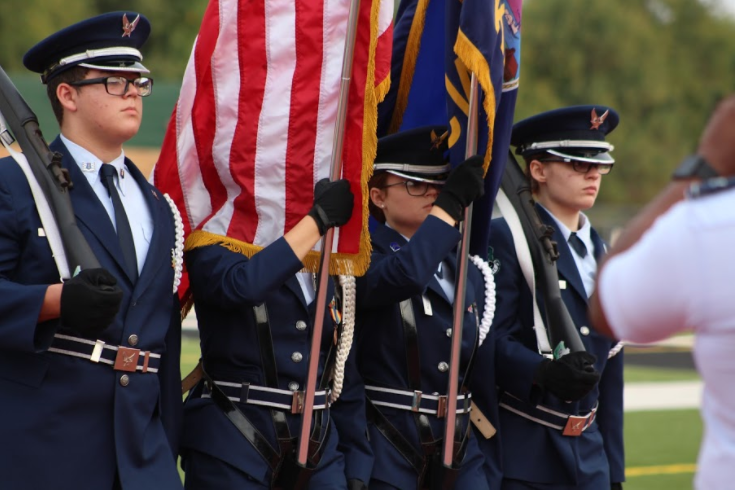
[(332, 204), (616, 486), (570, 378), (717, 145), (356, 485), (463, 186), (89, 302)]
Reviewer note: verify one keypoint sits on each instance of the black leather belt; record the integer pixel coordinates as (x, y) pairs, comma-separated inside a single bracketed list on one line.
[(570, 425), (286, 473), (271, 456), (119, 357)]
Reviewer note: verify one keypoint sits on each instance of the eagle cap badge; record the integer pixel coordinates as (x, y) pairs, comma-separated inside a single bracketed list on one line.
[(129, 27), (596, 120)]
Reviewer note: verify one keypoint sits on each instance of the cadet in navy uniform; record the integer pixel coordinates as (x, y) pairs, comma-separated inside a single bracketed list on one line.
[(404, 311), (566, 155), (77, 412), (255, 316)]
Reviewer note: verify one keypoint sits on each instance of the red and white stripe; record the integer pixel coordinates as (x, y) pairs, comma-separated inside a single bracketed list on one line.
[(253, 129)]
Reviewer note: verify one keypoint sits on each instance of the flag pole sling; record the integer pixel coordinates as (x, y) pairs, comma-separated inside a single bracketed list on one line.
[(459, 290), (328, 240)]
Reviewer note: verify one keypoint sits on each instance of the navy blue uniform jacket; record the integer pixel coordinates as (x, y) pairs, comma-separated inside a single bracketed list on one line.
[(69, 423), (226, 286), (400, 270), (533, 452)]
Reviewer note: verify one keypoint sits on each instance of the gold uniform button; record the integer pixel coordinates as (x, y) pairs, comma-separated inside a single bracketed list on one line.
[(124, 380), (133, 340), (584, 330)]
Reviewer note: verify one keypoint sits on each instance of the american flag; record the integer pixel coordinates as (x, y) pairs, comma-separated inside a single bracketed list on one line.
[(253, 129)]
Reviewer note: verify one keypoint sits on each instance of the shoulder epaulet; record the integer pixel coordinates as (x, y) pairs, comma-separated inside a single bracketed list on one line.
[(709, 186)]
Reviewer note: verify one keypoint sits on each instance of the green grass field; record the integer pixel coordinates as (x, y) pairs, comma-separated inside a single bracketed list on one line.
[(660, 446)]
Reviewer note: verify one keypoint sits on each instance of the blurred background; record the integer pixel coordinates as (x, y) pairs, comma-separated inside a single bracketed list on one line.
[(663, 64)]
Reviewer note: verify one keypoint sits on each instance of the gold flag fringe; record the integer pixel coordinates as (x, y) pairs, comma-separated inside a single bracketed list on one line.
[(413, 44), (477, 64), (187, 304), (340, 264)]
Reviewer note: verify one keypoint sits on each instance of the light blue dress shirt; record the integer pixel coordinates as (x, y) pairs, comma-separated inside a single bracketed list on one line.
[(587, 265), (131, 195)]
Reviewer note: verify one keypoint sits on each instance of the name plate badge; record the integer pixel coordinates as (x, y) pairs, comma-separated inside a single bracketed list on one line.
[(427, 306)]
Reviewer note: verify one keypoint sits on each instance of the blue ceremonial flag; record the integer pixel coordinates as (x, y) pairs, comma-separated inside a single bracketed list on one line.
[(437, 46)]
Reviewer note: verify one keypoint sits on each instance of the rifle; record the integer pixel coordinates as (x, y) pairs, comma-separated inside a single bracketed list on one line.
[(544, 254), (46, 166)]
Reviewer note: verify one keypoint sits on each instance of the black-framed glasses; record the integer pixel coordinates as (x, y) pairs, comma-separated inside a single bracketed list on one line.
[(414, 187), (582, 167), (119, 85)]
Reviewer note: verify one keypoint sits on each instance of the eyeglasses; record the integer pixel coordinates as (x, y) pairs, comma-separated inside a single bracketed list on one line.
[(414, 187), (583, 167), (119, 85)]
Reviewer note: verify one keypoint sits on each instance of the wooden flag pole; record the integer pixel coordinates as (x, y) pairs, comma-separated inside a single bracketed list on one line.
[(459, 290), (328, 240)]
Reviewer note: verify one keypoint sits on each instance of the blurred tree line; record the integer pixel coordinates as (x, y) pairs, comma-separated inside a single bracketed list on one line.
[(662, 64)]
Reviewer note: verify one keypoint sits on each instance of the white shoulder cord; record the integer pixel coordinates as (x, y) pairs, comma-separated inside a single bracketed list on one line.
[(488, 312), (345, 339), (616, 349), (524, 259), (50, 228), (177, 254)]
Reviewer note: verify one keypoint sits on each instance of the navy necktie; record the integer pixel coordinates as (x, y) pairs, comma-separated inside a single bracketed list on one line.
[(578, 245), (124, 235)]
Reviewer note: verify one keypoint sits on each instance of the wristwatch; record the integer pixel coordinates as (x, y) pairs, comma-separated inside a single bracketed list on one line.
[(694, 166)]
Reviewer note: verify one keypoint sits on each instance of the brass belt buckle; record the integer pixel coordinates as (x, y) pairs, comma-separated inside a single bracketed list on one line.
[(575, 426), (126, 359), (441, 408), (297, 402)]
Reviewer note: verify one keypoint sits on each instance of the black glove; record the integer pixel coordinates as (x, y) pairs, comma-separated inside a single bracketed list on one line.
[(89, 302), (616, 486), (463, 186), (356, 485), (570, 377), (332, 204)]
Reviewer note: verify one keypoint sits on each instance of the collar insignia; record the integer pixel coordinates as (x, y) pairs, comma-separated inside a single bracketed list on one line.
[(129, 27), (596, 120)]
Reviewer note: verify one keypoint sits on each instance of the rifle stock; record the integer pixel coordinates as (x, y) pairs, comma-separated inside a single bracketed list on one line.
[(46, 167), (544, 254)]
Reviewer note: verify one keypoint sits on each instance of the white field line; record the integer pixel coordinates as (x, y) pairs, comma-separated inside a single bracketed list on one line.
[(665, 395)]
